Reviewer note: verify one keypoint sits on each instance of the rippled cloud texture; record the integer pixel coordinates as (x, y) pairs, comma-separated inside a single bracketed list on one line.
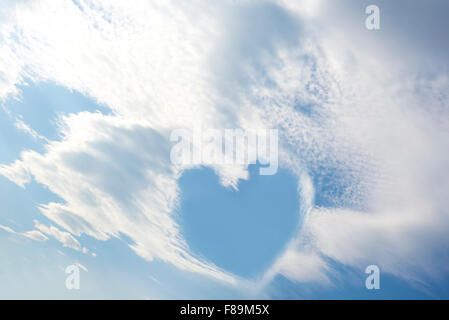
[(363, 120)]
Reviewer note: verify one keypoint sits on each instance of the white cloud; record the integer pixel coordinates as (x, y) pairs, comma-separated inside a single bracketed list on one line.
[(339, 109), (82, 267), (33, 235), (21, 125), (8, 229), (16, 172), (303, 267), (385, 131), (64, 237)]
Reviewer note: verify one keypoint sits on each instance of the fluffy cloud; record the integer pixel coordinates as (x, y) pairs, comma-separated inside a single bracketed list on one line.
[(381, 133), (366, 138)]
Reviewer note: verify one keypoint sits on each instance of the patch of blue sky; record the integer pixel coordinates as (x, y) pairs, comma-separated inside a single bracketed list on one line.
[(241, 231), (350, 284), (13, 141), (40, 104), (36, 270), (20, 206), (116, 263)]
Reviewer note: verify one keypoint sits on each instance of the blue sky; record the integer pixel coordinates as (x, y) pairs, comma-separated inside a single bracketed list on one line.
[(85, 171), (246, 228)]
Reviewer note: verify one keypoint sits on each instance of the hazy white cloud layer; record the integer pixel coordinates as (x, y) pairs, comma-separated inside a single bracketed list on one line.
[(346, 102)]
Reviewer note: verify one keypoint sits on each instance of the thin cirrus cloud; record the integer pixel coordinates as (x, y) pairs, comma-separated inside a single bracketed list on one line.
[(42, 232), (365, 137), (33, 235)]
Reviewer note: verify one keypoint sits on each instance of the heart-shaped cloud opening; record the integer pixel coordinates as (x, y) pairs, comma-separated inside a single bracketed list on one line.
[(244, 230)]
